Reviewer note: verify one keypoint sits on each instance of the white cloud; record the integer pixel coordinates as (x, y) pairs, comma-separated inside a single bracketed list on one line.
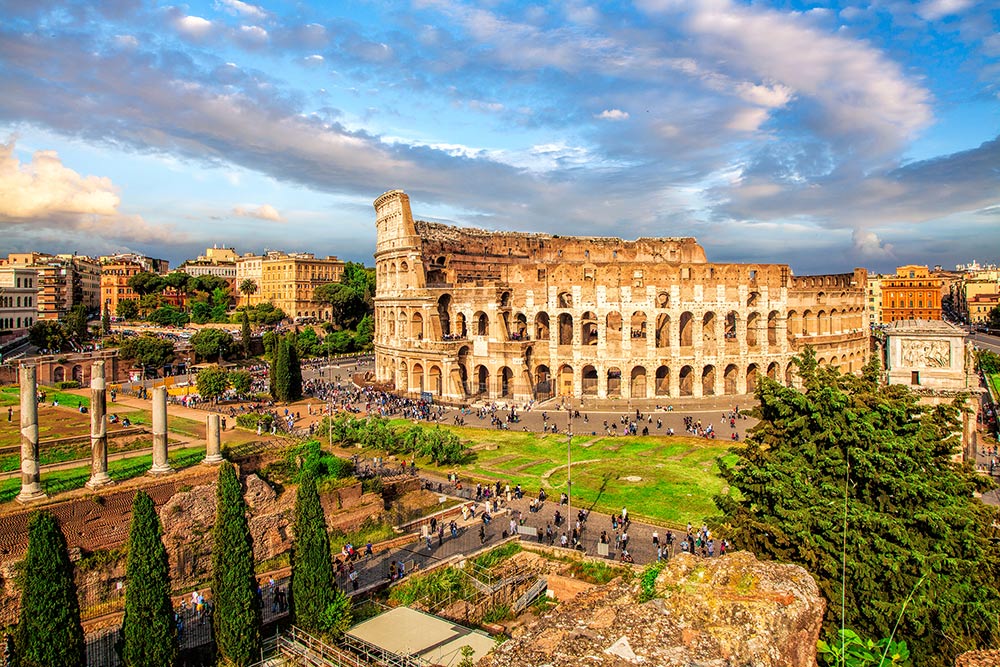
[(45, 187), (612, 114), (194, 27), (253, 33), (262, 212), (932, 10), (314, 59), (870, 246), (488, 107), (241, 8), (773, 96), (747, 120), (126, 41)]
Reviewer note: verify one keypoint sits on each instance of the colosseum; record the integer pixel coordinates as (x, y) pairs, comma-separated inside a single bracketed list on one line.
[(465, 314)]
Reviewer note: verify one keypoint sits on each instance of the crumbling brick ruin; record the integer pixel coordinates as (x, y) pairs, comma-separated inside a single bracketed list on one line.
[(466, 314)]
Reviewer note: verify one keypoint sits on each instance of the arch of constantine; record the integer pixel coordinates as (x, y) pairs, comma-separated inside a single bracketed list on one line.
[(466, 314)]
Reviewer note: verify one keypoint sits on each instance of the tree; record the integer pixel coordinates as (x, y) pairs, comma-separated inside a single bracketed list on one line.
[(294, 371), (366, 334), (248, 286), (241, 381), (313, 583), (915, 535), (237, 616), (281, 380), (168, 316), (75, 324), (347, 305), (48, 334), (212, 382), (245, 335), (220, 304), (149, 635), (307, 342), (147, 350), (105, 322), (127, 309), (145, 282), (993, 319), (49, 633), (212, 343), (177, 280)]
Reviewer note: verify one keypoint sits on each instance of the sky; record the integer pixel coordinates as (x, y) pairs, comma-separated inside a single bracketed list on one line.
[(823, 135)]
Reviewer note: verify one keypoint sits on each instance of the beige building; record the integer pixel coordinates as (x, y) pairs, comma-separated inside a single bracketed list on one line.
[(289, 279), (932, 358), (220, 262), (874, 292), (980, 307), (18, 300), (64, 281), (467, 314), (249, 267)]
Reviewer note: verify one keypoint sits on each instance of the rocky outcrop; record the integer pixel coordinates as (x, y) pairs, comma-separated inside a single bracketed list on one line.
[(720, 612), (978, 659)]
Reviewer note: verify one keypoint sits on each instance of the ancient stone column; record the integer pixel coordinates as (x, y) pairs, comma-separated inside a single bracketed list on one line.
[(161, 466), (213, 451), (98, 428), (31, 488)]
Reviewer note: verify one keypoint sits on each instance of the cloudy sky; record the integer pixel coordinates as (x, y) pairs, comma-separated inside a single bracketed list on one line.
[(824, 135)]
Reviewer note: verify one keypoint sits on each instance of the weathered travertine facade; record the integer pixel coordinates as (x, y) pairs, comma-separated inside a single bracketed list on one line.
[(465, 313)]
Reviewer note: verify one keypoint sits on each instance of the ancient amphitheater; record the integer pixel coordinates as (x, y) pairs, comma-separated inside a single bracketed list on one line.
[(466, 314)]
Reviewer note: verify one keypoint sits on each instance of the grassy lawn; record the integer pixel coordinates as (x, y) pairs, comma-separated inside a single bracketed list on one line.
[(49, 455), (663, 478), (994, 380), (65, 480)]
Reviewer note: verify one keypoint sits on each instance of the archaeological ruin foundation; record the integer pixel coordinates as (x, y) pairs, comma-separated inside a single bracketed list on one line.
[(464, 314)]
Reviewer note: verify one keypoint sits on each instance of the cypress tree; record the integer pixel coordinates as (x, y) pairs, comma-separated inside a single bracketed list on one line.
[(106, 322), (245, 334), (279, 370), (294, 371), (313, 584), (149, 636), (49, 633), (237, 616)]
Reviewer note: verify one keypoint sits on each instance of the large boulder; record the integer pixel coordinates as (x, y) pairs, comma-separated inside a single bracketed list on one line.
[(719, 612)]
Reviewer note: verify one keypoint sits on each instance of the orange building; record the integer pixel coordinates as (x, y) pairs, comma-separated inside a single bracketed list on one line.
[(912, 294), (114, 284)]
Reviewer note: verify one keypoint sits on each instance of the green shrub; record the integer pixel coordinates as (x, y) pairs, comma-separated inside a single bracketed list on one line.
[(647, 581), (68, 384)]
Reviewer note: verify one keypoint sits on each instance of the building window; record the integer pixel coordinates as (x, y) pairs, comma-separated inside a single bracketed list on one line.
[(914, 377)]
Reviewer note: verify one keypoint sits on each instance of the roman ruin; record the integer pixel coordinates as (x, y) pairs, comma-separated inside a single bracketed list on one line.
[(161, 466), (31, 487), (465, 314), (98, 428)]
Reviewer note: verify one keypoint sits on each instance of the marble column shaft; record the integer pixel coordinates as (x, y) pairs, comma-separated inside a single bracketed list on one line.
[(98, 428), (31, 487), (213, 449), (161, 466)]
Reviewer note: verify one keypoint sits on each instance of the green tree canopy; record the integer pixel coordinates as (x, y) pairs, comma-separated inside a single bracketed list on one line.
[(168, 316), (993, 319), (147, 350), (212, 381), (48, 334), (105, 322), (246, 335), (149, 635), (913, 527), (127, 309), (237, 616), (248, 286), (177, 280), (209, 343), (313, 583), (285, 371), (240, 381), (347, 305), (49, 633), (262, 313), (76, 324), (146, 282)]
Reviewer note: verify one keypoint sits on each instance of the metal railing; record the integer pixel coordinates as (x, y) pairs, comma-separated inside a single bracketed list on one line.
[(379, 656)]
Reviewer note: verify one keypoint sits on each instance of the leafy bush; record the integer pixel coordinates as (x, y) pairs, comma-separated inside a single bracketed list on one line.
[(68, 384), (852, 651), (647, 581), (494, 557), (432, 589), (251, 419)]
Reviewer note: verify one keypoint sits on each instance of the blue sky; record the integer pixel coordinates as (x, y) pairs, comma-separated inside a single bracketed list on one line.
[(823, 135)]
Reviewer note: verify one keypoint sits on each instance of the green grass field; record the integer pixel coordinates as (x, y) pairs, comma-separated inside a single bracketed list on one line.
[(663, 478), (65, 480), (994, 380)]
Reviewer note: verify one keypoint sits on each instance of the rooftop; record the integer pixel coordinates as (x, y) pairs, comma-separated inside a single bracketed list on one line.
[(925, 327)]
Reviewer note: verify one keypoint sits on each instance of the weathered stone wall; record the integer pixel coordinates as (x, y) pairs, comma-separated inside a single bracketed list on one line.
[(717, 612), (465, 313)]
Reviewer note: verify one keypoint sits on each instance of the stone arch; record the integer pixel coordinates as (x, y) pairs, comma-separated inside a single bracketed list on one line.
[(752, 372), (835, 321), (434, 379), (638, 324), (58, 374), (461, 329), (662, 331), (822, 323), (564, 300), (686, 329), (808, 323), (662, 381), (730, 377), (753, 330), (417, 378), (417, 326), (542, 326), (401, 324), (637, 385), (543, 382), (614, 382), (504, 299), (708, 330), (662, 300), (589, 381), (393, 276), (793, 325), (565, 329), (482, 380), (752, 299), (686, 381), (404, 376), (613, 328), (790, 374), (520, 327), (506, 382), (773, 370), (482, 323), (77, 373), (444, 313), (463, 368), (708, 380), (772, 327), (729, 327), (588, 329), (565, 380)]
